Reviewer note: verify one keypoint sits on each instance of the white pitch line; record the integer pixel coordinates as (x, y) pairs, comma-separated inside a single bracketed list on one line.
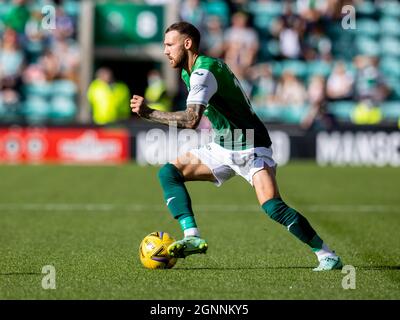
[(106, 207)]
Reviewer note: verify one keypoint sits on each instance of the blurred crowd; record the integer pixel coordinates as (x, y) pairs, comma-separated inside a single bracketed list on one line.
[(295, 59), (285, 55), (39, 61)]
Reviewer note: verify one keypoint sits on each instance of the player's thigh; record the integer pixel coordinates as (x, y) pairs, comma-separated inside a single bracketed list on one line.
[(192, 169), (265, 184)]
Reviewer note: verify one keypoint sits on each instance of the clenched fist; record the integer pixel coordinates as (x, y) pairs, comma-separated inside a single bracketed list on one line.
[(139, 106)]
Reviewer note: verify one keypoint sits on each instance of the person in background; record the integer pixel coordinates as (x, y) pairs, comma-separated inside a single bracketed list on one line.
[(340, 83), (12, 61), (18, 16), (317, 118), (289, 30), (290, 91), (214, 38), (241, 44), (370, 91), (108, 98), (156, 92)]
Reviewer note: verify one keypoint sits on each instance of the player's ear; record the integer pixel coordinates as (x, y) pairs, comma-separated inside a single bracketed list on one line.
[(188, 43)]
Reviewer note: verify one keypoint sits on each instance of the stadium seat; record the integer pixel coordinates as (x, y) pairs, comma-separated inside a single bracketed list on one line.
[(391, 110), (342, 110), (294, 114), (40, 90), (218, 8), (390, 8), (269, 49), (365, 8), (368, 27), (62, 109), (297, 67), (270, 113), (4, 8), (71, 7), (9, 113), (394, 85), (367, 46), (390, 26), (390, 46), (36, 109), (34, 50), (318, 67), (268, 9), (390, 66), (64, 88)]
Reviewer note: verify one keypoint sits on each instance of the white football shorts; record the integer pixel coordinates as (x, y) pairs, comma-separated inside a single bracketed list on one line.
[(225, 163)]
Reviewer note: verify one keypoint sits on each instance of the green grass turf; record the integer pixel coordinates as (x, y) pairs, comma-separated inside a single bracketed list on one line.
[(88, 222)]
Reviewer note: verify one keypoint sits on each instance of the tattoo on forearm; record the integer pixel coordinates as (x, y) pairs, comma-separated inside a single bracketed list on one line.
[(184, 119)]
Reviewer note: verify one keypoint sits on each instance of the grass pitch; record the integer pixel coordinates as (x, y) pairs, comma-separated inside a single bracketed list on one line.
[(88, 222)]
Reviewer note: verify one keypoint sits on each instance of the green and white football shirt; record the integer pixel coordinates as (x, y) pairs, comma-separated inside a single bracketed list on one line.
[(236, 126)]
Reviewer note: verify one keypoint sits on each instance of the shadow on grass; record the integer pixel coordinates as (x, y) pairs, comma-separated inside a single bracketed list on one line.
[(377, 267), (284, 268), (19, 273), (241, 268)]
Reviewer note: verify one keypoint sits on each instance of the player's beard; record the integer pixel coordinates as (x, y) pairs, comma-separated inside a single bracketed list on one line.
[(181, 60)]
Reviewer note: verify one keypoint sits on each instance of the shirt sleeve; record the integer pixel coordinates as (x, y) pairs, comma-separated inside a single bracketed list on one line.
[(203, 86)]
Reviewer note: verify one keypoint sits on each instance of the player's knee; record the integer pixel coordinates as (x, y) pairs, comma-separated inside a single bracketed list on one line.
[(169, 173)]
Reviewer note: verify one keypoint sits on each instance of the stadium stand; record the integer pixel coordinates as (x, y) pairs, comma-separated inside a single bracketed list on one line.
[(39, 68)]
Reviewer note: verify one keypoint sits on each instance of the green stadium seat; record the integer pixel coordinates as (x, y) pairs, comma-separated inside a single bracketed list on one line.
[(297, 67), (367, 27), (62, 109), (390, 66), (335, 30), (294, 114), (393, 83), (43, 90), (267, 9), (390, 46), (390, 8), (9, 113), (318, 67), (365, 8), (367, 46), (264, 23), (276, 68), (218, 8), (4, 9), (71, 7), (342, 110), (391, 110), (269, 113), (268, 49), (64, 88), (34, 50), (36, 109), (390, 26)]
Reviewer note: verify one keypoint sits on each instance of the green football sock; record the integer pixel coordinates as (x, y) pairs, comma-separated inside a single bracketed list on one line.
[(176, 196), (293, 221)]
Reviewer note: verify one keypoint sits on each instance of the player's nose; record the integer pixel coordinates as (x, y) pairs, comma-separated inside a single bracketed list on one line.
[(166, 51)]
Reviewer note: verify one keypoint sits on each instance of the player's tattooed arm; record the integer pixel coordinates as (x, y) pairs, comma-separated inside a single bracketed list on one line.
[(188, 119)]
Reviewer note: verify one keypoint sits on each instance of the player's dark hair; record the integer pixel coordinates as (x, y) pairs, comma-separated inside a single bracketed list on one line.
[(188, 29)]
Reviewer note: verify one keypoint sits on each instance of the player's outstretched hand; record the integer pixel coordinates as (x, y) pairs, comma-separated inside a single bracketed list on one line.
[(139, 106)]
